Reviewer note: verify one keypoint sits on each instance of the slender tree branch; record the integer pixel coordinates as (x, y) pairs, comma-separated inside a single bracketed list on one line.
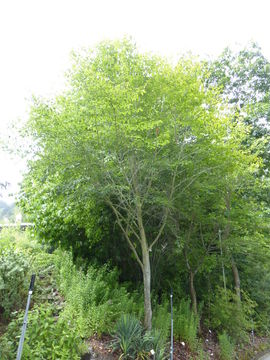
[(166, 212), (125, 233)]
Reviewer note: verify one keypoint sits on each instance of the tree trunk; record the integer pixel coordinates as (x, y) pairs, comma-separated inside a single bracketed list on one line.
[(147, 289), (236, 280), (193, 293), (146, 269)]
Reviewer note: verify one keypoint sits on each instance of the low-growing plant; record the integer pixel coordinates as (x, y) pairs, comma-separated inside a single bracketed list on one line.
[(130, 338), (47, 338), (127, 336), (226, 346), (154, 340), (201, 354)]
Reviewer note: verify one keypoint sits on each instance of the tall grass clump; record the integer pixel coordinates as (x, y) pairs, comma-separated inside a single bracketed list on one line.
[(94, 299), (186, 324)]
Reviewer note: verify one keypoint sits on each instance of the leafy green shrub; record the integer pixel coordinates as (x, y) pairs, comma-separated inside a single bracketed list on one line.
[(186, 324), (20, 252), (47, 337), (94, 300), (226, 347), (13, 281), (20, 239), (229, 315)]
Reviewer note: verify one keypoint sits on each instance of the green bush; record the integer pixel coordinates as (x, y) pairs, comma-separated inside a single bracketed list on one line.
[(186, 324), (94, 300), (228, 315), (226, 347), (14, 282), (22, 240), (19, 253), (47, 337)]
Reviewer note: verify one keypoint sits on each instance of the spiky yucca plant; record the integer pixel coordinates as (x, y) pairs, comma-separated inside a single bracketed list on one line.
[(127, 336)]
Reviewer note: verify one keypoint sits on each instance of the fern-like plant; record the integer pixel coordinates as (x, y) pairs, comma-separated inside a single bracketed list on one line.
[(226, 347), (186, 324)]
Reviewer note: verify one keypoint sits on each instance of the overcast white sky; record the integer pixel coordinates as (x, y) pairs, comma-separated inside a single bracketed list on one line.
[(36, 37)]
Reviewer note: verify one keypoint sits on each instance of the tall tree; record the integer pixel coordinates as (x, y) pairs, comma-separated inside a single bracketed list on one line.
[(126, 133)]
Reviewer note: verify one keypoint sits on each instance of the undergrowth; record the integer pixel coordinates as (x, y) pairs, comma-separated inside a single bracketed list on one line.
[(94, 299)]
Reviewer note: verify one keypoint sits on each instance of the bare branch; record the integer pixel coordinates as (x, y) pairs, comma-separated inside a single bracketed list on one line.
[(125, 232), (166, 212)]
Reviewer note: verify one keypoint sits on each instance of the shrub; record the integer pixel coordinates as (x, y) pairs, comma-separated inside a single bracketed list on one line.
[(47, 337), (14, 268), (22, 240), (186, 324), (228, 315), (226, 347), (94, 300)]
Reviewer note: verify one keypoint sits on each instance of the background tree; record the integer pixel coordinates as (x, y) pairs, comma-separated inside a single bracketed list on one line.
[(244, 79)]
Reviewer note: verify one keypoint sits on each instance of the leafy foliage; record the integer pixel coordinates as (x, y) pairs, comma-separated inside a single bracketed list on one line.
[(244, 79), (14, 269), (139, 133), (230, 315), (47, 337), (94, 299), (166, 167)]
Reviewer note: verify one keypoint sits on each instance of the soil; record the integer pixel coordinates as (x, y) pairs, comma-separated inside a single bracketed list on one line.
[(99, 349)]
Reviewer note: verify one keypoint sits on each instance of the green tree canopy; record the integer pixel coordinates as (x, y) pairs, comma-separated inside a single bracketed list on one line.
[(131, 132)]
